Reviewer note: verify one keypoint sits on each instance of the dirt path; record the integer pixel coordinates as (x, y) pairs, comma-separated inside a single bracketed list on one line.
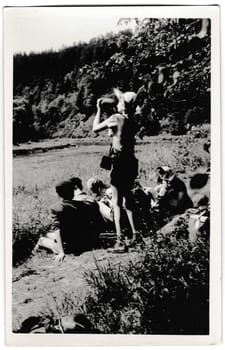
[(41, 280)]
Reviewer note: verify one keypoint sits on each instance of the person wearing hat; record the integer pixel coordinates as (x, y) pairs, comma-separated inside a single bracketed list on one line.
[(75, 224), (121, 127)]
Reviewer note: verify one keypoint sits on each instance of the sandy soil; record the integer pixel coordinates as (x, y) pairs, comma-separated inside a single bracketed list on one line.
[(41, 280)]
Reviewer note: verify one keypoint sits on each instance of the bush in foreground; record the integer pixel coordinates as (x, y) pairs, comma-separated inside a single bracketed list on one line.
[(163, 290), (166, 291)]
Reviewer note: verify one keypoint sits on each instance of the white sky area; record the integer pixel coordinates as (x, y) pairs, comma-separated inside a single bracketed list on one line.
[(41, 29)]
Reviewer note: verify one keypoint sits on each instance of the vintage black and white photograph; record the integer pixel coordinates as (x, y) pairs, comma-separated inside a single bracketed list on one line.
[(111, 135)]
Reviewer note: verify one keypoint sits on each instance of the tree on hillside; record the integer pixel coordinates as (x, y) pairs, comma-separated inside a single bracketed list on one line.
[(22, 120), (166, 61)]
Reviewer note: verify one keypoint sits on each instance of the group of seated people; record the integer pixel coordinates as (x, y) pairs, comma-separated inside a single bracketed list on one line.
[(79, 217)]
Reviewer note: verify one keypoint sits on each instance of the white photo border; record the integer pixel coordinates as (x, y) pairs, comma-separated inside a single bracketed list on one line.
[(212, 12)]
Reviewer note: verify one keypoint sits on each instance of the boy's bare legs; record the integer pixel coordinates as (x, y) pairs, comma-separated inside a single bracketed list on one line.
[(117, 201), (131, 221), (129, 205)]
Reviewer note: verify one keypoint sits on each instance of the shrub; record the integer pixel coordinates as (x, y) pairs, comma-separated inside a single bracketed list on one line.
[(166, 291)]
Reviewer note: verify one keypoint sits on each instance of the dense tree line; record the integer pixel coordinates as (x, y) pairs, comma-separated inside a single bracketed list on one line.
[(167, 62)]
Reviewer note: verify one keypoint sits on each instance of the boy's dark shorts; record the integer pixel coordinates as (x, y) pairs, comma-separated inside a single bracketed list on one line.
[(124, 172)]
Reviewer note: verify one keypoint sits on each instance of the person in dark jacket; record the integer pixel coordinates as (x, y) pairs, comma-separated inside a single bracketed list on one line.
[(75, 224)]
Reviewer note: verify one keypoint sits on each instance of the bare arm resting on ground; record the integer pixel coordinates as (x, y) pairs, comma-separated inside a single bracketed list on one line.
[(58, 241), (53, 242)]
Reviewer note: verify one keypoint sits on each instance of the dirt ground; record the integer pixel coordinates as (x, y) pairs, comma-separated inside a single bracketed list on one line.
[(41, 280)]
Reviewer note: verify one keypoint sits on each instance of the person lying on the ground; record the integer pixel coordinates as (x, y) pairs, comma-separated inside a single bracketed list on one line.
[(191, 224), (75, 224), (195, 222)]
